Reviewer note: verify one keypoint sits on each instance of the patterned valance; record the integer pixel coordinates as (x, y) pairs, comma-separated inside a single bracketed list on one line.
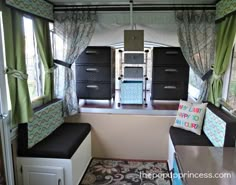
[(225, 7), (40, 8)]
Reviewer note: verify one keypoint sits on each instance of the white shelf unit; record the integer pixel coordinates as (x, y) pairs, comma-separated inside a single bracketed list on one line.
[(133, 77)]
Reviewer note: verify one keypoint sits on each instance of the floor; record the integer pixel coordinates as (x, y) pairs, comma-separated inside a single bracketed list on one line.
[(122, 171), (114, 106)]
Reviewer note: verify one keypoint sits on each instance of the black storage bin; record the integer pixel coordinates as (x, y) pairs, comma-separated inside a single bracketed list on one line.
[(170, 74), (95, 73)]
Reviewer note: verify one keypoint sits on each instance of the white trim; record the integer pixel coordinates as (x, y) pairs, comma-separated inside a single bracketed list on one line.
[(226, 78), (4, 107), (129, 111), (5, 125), (171, 152)]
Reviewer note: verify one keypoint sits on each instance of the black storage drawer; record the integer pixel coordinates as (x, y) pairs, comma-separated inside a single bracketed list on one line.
[(96, 73), (93, 90), (168, 56), (169, 91), (93, 54), (170, 74)]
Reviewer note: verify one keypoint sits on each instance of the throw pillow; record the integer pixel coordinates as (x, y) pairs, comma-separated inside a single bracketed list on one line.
[(190, 116)]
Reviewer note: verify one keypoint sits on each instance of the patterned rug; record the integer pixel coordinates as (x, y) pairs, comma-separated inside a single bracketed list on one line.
[(126, 172)]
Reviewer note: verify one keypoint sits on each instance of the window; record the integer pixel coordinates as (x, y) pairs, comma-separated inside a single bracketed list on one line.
[(194, 84), (34, 66), (231, 98), (4, 88), (51, 29)]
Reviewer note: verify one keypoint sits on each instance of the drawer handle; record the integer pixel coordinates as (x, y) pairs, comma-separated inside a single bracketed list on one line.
[(90, 52), (92, 70), (171, 70), (92, 87), (172, 52), (170, 87)]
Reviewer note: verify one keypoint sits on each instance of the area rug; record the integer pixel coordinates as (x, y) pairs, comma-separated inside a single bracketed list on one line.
[(126, 172)]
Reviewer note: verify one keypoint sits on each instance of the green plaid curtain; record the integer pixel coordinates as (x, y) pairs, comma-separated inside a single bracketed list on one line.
[(226, 31), (42, 34), (16, 67)]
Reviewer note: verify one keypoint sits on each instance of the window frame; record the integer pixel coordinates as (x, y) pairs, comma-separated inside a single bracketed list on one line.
[(38, 100), (226, 81), (230, 73)]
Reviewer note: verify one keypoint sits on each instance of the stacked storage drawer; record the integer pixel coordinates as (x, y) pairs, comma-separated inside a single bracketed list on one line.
[(95, 73), (170, 74)]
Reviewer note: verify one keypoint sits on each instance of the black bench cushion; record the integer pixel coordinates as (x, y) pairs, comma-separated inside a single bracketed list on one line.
[(183, 137), (62, 143)]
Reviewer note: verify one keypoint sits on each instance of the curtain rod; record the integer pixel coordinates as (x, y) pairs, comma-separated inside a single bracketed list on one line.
[(127, 5), (127, 8)]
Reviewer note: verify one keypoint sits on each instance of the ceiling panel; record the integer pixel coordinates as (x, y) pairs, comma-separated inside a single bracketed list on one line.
[(110, 2)]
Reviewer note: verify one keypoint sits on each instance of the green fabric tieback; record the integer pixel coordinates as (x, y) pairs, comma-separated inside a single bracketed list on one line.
[(216, 77), (16, 73), (51, 70)]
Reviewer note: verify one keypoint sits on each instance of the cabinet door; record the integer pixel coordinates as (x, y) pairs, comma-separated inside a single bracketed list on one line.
[(46, 175)]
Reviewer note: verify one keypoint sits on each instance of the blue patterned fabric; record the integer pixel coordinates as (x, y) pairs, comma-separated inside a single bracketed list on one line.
[(196, 35), (40, 8), (131, 92), (214, 128), (45, 121), (225, 7), (75, 28)]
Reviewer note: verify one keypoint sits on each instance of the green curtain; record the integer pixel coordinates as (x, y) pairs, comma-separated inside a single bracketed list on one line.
[(226, 31), (42, 34), (16, 67)]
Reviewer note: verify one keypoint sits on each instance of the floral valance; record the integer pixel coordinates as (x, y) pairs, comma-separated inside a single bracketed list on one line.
[(39, 8), (225, 7)]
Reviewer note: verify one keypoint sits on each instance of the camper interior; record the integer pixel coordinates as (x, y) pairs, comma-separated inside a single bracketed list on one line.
[(108, 92)]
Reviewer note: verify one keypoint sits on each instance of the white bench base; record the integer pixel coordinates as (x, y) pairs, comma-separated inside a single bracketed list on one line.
[(171, 152), (55, 171)]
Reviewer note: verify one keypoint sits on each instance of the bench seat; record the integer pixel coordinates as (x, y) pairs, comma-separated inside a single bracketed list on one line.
[(51, 151), (62, 156), (183, 137), (61, 143), (219, 128)]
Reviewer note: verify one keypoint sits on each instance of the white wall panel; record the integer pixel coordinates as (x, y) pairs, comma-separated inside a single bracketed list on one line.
[(158, 27)]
